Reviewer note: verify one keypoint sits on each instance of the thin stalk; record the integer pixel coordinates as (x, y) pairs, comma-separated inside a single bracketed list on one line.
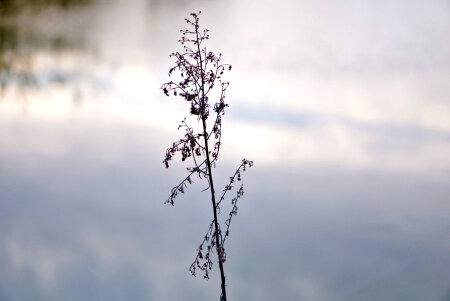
[(211, 183), (213, 200)]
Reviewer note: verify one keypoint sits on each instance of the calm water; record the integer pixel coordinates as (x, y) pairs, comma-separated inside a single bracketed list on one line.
[(344, 109)]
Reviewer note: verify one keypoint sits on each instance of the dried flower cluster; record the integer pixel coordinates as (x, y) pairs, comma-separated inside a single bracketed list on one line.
[(199, 80)]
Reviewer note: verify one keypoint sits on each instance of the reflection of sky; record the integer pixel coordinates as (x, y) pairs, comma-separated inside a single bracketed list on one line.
[(344, 109)]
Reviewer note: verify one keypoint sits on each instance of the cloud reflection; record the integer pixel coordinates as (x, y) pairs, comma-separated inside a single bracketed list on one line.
[(343, 109)]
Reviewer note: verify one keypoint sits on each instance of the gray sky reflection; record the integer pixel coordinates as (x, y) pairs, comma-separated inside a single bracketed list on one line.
[(344, 109)]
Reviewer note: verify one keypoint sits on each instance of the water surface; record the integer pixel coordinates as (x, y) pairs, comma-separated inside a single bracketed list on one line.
[(344, 109)]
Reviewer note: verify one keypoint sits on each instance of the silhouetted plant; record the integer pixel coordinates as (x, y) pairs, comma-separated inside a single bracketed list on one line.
[(200, 76)]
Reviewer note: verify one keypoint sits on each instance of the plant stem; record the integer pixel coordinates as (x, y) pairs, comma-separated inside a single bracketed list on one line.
[(213, 200), (211, 183)]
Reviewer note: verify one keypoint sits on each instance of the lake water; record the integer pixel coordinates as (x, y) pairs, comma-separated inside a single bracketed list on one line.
[(343, 108)]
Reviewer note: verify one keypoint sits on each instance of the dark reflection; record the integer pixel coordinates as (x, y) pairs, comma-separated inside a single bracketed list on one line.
[(22, 36), (16, 6), (14, 63)]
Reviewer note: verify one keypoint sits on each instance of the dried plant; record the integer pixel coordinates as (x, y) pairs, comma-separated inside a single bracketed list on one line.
[(199, 80)]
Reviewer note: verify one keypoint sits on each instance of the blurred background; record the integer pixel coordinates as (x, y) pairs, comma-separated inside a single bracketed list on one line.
[(342, 105)]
